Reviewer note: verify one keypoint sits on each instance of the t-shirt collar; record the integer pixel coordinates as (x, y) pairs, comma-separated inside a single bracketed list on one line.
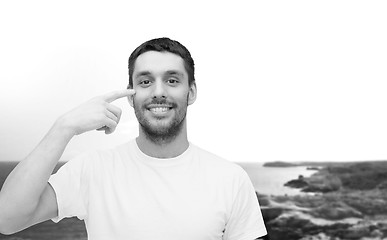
[(183, 157)]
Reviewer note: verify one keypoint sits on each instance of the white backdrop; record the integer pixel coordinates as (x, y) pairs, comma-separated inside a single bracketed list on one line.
[(277, 80)]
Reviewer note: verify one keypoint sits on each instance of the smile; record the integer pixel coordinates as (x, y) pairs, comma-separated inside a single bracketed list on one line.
[(159, 109)]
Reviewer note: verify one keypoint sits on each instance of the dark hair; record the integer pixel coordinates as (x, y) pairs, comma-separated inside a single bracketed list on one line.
[(163, 45)]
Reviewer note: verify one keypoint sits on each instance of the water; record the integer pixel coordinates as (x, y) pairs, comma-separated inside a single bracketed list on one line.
[(266, 180), (271, 180)]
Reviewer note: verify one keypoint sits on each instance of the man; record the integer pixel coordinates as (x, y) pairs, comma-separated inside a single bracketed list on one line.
[(157, 186)]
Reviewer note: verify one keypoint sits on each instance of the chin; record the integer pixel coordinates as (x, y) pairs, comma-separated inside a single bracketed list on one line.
[(161, 129), (164, 131)]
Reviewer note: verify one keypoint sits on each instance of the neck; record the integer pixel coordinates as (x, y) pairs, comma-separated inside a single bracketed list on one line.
[(163, 148)]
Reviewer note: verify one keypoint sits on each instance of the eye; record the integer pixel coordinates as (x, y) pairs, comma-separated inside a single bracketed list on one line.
[(145, 82), (173, 81)]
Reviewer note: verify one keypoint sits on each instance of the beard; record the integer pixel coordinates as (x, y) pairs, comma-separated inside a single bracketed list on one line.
[(158, 129)]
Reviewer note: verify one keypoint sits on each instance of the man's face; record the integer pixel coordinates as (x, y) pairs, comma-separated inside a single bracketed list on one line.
[(162, 93)]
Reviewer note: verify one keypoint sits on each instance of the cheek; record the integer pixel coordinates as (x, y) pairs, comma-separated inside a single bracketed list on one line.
[(178, 94), (136, 101), (139, 96)]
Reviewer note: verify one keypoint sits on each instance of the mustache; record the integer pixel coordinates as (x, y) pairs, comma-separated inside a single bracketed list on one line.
[(160, 101)]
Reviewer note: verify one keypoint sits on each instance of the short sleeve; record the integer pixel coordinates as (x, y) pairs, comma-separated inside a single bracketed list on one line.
[(246, 221), (70, 186)]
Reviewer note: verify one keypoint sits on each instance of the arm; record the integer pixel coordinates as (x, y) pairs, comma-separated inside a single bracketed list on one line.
[(26, 197), (26, 186)]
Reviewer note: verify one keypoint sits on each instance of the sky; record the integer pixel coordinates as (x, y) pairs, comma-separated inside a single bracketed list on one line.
[(277, 80)]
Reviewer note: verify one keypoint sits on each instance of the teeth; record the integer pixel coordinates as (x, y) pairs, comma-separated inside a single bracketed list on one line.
[(159, 109)]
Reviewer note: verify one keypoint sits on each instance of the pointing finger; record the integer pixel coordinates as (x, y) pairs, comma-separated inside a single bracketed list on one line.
[(114, 110), (112, 96)]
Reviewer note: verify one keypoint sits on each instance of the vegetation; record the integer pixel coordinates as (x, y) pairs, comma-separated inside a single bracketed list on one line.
[(349, 201), (354, 176), (362, 176)]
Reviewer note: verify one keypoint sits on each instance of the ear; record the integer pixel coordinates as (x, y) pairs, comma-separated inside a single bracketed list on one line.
[(192, 93)]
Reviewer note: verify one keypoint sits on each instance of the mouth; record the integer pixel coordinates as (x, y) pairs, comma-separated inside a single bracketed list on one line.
[(159, 109)]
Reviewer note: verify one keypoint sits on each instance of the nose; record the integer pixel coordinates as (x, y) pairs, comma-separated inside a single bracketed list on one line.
[(159, 90)]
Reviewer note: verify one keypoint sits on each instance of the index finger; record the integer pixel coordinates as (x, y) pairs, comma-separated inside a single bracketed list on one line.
[(112, 96)]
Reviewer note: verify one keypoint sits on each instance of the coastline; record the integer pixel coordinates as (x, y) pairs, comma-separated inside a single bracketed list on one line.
[(347, 201), (270, 180)]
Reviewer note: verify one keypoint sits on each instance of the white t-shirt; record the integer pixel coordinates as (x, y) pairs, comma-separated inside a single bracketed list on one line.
[(124, 194)]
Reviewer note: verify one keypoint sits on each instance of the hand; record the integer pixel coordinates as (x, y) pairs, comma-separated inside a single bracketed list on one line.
[(97, 113)]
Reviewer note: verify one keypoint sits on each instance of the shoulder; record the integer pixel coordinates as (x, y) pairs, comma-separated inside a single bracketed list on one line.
[(217, 164), (98, 158)]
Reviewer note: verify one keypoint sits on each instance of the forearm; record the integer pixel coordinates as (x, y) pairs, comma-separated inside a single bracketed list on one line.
[(23, 195), (23, 187)]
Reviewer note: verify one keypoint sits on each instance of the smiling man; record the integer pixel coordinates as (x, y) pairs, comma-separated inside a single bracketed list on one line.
[(163, 92), (157, 186)]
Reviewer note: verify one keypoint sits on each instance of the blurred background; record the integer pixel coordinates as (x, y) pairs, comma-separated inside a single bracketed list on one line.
[(302, 82)]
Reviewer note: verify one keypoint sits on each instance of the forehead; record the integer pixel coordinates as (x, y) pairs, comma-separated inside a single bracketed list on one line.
[(159, 62)]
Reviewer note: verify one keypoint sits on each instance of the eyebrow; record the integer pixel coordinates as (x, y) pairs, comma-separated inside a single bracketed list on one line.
[(143, 73), (173, 72), (169, 72)]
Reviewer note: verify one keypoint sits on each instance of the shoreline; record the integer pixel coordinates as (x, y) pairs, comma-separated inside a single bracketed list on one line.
[(337, 208)]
